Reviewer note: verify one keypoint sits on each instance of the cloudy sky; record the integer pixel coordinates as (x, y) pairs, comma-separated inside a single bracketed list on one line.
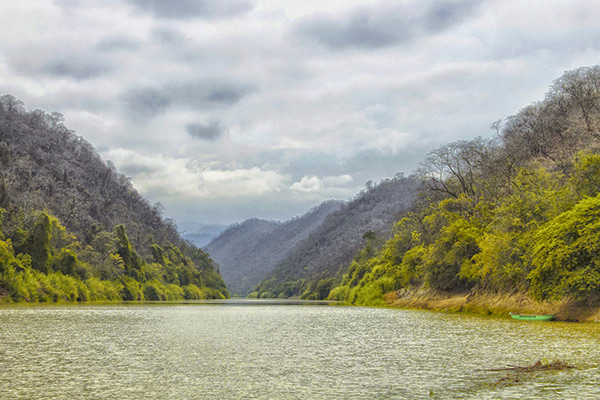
[(224, 110)]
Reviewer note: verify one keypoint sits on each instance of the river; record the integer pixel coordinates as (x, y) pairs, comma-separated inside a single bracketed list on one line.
[(259, 350)]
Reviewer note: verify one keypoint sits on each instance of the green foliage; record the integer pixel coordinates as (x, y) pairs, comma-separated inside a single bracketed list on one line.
[(38, 245), (66, 262), (103, 290), (501, 265), (193, 292), (339, 293), (131, 261), (158, 254), (411, 267), (103, 244), (174, 292), (586, 177), (371, 293), (212, 293), (321, 290), (132, 289), (448, 259), (154, 291), (565, 254), (51, 267)]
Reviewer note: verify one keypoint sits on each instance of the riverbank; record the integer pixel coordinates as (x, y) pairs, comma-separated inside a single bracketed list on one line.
[(495, 304)]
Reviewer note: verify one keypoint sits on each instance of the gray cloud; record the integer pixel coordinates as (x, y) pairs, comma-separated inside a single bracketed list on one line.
[(136, 169), (211, 131), (146, 102), (372, 163), (362, 165), (200, 93), (382, 25), (78, 70), (329, 108), (149, 101), (184, 9), (117, 43), (54, 59), (167, 36), (228, 95), (361, 29), (69, 4), (445, 14), (224, 210)]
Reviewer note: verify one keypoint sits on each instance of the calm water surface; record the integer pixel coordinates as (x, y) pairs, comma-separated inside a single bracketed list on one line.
[(237, 351)]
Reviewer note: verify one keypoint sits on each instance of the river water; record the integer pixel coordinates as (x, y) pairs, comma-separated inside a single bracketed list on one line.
[(241, 350)]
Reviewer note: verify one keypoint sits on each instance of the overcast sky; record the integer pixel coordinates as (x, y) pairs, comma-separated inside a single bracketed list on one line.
[(226, 110)]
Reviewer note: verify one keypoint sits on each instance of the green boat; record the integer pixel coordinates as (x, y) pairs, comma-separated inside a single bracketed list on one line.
[(524, 317)]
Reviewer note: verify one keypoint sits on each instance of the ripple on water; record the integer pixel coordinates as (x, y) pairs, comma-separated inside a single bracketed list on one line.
[(283, 352)]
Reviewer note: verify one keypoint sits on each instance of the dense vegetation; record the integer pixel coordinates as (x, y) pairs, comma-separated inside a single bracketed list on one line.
[(73, 228), (519, 213), (248, 251), (311, 268)]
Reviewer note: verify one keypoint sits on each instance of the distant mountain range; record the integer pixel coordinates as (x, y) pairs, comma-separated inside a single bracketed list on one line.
[(285, 259), (248, 251), (199, 234)]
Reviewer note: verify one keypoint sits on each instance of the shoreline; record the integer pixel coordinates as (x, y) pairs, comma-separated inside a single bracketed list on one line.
[(495, 304)]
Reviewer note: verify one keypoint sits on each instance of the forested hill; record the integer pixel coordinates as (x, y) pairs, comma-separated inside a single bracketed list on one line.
[(248, 251), (311, 268), (74, 228), (514, 215)]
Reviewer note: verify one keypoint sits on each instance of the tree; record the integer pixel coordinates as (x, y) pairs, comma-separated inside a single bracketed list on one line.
[(453, 169), (586, 176), (104, 243), (131, 261), (565, 255), (39, 243), (582, 87), (66, 262)]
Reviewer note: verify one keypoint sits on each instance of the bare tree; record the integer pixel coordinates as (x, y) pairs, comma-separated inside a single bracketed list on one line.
[(453, 168)]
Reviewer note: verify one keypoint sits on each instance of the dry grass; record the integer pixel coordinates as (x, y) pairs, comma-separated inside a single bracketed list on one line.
[(495, 304)]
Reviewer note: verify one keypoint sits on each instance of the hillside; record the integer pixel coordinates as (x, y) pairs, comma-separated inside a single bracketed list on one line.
[(248, 251), (74, 228), (513, 219), (331, 246)]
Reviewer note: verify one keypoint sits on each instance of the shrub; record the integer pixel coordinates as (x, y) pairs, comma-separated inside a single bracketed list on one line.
[(131, 290), (174, 292), (154, 291), (339, 293), (193, 292)]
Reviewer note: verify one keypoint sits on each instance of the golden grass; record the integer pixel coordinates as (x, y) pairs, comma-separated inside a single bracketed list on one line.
[(494, 304)]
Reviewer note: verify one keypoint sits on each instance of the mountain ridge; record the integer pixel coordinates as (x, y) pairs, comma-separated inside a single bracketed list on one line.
[(248, 250)]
